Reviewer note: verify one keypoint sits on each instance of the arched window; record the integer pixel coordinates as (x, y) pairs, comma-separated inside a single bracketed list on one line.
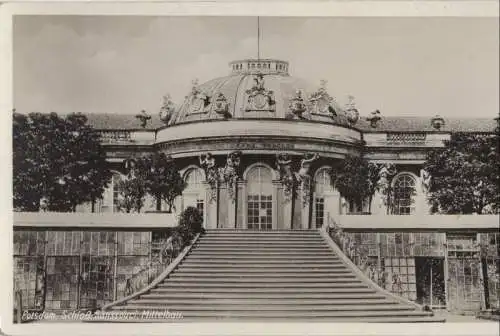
[(323, 182), (403, 195), (194, 179), (259, 198), (194, 193)]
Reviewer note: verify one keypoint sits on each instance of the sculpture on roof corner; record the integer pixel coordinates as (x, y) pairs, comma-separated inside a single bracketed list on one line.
[(352, 112), (221, 106), (199, 101), (374, 118), (322, 102), (297, 106), (167, 109), (143, 118), (260, 98), (437, 122)]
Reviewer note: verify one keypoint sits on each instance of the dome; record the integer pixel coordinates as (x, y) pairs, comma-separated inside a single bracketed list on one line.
[(259, 89)]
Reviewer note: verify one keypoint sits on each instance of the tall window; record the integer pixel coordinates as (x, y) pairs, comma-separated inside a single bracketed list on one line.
[(322, 186), (260, 199), (116, 178), (194, 193), (403, 195)]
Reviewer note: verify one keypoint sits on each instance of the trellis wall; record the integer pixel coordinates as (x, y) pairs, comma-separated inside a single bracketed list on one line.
[(81, 269), (391, 257)]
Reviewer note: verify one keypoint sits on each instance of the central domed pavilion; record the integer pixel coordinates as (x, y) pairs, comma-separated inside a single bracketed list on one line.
[(256, 148), (250, 141)]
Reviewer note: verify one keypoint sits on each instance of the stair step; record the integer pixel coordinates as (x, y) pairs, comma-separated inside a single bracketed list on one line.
[(270, 264), (283, 318), (251, 301), (253, 276), (272, 283), (265, 232), (277, 239), (356, 289), (187, 296), (245, 270), (264, 258), (243, 246), (391, 308), (284, 253), (261, 278)]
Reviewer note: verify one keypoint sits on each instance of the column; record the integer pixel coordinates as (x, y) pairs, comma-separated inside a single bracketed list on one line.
[(231, 208), (211, 207), (378, 206), (332, 204), (284, 207), (240, 205), (304, 201), (275, 205)]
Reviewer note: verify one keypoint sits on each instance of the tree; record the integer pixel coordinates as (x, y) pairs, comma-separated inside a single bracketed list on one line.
[(56, 159), (131, 194), (162, 178), (464, 175), (356, 179)]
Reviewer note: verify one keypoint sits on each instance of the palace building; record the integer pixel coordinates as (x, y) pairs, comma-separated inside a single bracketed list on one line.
[(256, 147)]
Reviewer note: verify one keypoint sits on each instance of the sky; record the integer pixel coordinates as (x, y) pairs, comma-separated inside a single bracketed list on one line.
[(123, 64)]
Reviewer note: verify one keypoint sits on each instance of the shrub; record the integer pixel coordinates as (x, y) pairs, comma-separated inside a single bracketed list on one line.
[(190, 223)]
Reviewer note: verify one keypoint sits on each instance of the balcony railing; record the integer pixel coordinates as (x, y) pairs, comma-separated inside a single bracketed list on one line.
[(115, 136), (406, 138)]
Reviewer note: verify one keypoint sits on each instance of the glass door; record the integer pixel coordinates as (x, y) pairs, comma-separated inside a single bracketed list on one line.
[(260, 212), (259, 199)]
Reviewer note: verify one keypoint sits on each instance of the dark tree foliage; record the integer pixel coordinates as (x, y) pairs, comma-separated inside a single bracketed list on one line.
[(162, 179), (59, 160), (464, 175), (131, 193), (356, 179), (190, 223)]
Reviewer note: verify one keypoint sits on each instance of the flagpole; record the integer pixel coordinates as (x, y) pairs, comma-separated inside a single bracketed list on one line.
[(258, 37)]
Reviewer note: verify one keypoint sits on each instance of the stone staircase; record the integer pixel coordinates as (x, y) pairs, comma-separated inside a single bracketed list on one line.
[(270, 275)]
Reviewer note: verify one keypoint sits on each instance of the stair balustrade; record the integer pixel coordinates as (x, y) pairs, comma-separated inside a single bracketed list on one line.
[(162, 254), (354, 252)]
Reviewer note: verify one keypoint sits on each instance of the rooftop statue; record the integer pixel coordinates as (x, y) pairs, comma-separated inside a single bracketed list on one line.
[(221, 105), (167, 109), (297, 106), (351, 111), (199, 100), (374, 118), (322, 102), (260, 98), (143, 117)]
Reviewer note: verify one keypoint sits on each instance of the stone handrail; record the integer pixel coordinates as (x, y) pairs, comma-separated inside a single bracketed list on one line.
[(170, 268), (346, 250)]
